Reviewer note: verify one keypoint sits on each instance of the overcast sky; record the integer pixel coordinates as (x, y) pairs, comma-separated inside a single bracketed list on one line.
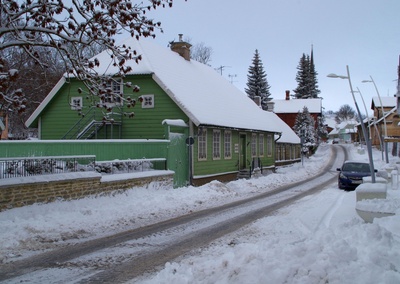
[(364, 34)]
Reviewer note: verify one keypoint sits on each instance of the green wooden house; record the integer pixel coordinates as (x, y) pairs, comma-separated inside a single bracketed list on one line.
[(183, 101)]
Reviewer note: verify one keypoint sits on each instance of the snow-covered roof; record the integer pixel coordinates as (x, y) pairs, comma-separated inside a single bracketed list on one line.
[(330, 121), (201, 92), (346, 126), (297, 105), (288, 135), (386, 102)]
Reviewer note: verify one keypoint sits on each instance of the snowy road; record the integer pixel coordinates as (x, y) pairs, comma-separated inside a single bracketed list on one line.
[(127, 255)]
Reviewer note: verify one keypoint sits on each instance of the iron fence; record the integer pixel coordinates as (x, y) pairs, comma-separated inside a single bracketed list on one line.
[(32, 166)]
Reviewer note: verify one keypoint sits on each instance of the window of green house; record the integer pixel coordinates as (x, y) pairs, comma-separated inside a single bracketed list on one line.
[(253, 145), (261, 144), (202, 144), (269, 145), (216, 144), (227, 144), (147, 101), (76, 103), (115, 88)]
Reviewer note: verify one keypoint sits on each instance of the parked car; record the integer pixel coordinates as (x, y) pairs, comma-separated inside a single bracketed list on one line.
[(351, 174), (335, 141)]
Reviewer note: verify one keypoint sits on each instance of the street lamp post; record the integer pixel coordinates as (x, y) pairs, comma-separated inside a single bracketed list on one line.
[(369, 124), (383, 115), (367, 140)]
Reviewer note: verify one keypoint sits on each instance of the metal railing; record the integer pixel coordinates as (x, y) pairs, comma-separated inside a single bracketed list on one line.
[(88, 126), (34, 166)]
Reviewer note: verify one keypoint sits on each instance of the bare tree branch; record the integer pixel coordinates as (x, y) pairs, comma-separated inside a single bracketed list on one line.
[(31, 24)]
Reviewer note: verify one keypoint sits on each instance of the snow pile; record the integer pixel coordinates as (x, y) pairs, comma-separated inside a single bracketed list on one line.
[(319, 239)]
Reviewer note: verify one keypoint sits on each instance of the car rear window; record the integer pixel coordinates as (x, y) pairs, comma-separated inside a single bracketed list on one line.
[(355, 167)]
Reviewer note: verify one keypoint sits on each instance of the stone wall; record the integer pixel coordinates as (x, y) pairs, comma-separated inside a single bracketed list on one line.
[(19, 192)]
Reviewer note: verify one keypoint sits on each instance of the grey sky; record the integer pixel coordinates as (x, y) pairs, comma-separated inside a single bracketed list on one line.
[(364, 34)]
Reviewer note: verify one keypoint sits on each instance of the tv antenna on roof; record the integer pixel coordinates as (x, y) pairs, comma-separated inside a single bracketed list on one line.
[(231, 77), (221, 68)]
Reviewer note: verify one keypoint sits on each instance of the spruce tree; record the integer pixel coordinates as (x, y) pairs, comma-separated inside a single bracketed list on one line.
[(314, 91), (304, 127), (303, 78), (257, 84), (306, 78), (322, 131)]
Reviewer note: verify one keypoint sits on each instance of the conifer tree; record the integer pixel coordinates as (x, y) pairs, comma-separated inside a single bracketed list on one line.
[(306, 78), (314, 91), (304, 127), (257, 84), (303, 78), (322, 132)]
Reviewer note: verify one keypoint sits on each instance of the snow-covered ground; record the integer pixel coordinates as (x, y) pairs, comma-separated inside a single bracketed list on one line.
[(319, 239)]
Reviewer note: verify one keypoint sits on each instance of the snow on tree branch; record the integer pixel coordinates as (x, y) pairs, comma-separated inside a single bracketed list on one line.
[(69, 30)]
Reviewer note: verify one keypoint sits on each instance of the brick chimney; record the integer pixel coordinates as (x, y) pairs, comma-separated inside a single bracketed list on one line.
[(287, 95), (181, 47)]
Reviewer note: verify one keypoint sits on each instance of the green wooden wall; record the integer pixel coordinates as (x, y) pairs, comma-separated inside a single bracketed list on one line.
[(222, 165), (58, 118), (105, 150)]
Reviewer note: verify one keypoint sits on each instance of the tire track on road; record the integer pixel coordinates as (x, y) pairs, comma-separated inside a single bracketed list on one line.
[(150, 262)]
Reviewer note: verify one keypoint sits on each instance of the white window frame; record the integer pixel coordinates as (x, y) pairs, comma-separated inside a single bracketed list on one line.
[(202, 144), (228, 144), (278, 152), (261, 147), (269, 145), (148, 101), (117, 87), (216, 144), (76, 103), (254, 145)]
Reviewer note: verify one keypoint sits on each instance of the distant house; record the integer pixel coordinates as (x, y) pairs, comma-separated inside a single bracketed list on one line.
[(389, 116), (346, 131), (182, 100), (287, 109)]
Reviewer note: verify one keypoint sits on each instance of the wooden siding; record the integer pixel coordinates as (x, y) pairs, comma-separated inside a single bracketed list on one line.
[(392, 125), (147, 122), (58, 117), (104, 150), (212, 166)]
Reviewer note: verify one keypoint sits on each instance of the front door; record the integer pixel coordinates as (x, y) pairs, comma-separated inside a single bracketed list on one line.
[(242, 151)]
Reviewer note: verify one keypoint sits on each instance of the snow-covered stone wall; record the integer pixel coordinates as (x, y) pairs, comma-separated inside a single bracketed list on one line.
[(23, 191)]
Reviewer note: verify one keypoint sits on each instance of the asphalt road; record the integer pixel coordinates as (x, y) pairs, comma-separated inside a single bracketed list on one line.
[(130, 254)]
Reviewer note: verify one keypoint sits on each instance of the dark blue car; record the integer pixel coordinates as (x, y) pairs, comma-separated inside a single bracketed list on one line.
[(351, 174)]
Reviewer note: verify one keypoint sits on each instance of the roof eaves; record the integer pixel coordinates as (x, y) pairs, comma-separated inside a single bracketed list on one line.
[(44, 103)]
